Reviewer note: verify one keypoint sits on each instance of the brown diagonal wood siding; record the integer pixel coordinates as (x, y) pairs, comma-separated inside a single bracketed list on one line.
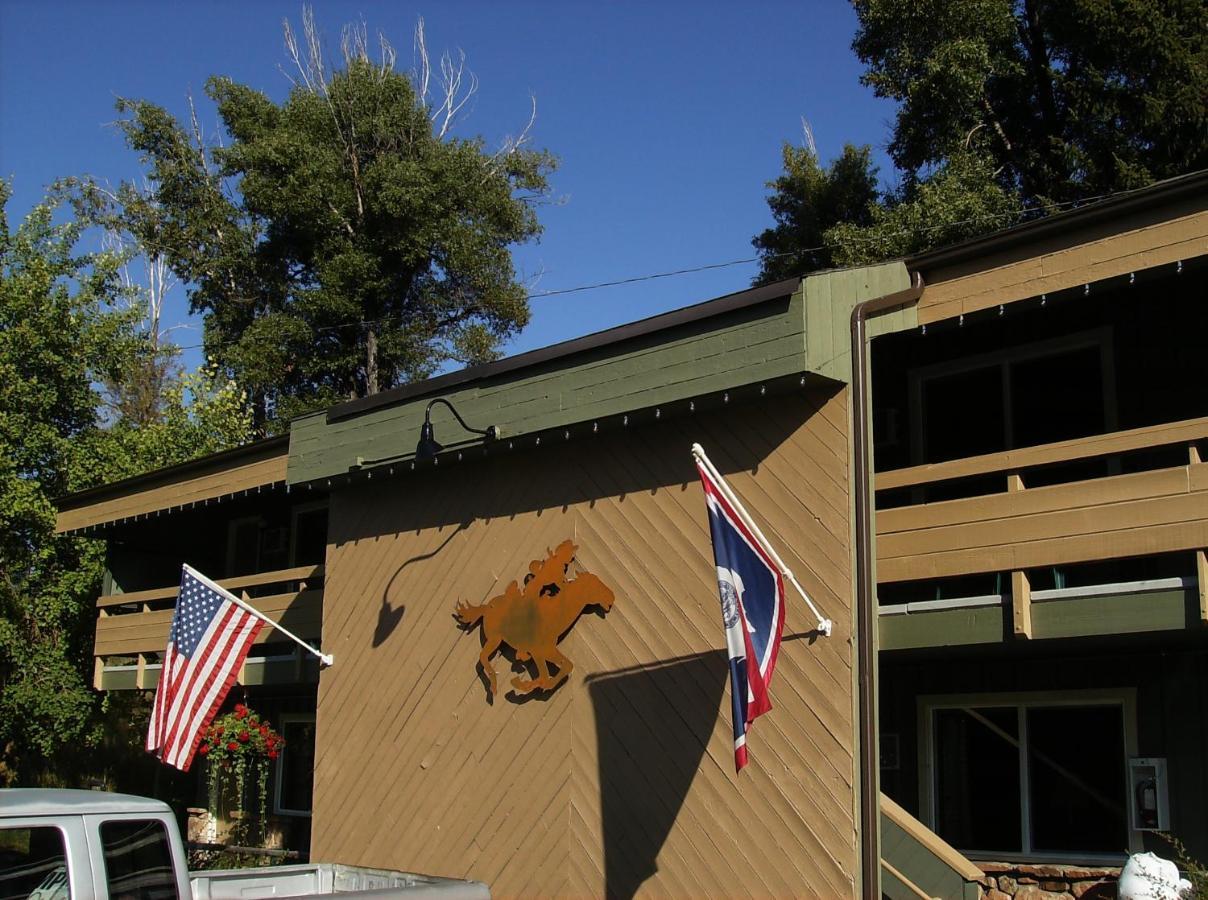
[(623, 780)]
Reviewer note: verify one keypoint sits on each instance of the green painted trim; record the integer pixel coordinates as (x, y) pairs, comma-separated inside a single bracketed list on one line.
[(1167, 610), (278, 671), (745, 346), (1115, 614), (122, 681), (802, 333), (830, 298), (944, 628), (917, 863)]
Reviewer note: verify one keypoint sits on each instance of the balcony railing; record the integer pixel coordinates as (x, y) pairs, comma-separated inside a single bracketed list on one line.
[(1142, 513), (132, 629)]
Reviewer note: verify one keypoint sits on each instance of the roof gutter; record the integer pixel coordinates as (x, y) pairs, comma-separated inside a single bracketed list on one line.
[(866, 618)]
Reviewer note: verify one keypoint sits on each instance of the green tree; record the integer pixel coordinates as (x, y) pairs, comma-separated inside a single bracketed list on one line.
[(806, 201), (960, 200), (1007, 108), (343, 241), (65, 328), (1068, 98), (55, 332)]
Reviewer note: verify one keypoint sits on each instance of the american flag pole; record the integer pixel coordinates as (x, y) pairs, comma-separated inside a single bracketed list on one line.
[(825, 625), (325, 658)]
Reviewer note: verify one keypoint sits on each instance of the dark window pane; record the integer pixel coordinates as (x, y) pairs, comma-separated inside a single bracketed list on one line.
[(138, 860), (1058, 397), (310, 541), (297, 766), (963, 414), (243, 547), (1076, 767), (977, 778), (32, 861)]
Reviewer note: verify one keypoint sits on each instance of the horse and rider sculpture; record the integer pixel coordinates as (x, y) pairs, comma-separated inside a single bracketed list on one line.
[(532, 618)]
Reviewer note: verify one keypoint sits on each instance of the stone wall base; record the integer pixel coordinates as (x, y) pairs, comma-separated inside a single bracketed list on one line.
[(1047, 882)]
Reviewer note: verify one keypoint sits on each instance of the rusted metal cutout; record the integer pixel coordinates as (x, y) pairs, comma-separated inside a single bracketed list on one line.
[(533, 618)]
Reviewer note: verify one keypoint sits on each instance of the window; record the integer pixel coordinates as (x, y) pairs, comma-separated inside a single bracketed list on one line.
[(309, 535), (138, 860), (1032, 394), (1036, 774), (296, 767), (33, 862)]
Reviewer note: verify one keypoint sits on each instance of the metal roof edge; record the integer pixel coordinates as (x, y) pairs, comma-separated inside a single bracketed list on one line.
[(641, 327), (1181, 186)]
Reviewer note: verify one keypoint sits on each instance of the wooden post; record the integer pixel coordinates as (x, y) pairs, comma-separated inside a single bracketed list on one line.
[(1021, 604), (1201, 572), (1021, 588), (98, 671), (140, 673)]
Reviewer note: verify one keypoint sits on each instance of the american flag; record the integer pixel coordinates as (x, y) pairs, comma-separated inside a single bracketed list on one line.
[(752, 609), (209, 640)]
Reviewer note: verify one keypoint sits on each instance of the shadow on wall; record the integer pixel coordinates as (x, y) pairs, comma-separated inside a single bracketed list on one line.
[(389, 616), (557, 475), (652, 726)]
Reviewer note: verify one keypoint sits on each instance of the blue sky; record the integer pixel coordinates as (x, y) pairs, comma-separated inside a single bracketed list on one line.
[(667, 117)]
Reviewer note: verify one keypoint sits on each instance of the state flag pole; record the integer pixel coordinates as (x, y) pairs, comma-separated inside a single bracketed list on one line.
[(825, 625), (325, 658)]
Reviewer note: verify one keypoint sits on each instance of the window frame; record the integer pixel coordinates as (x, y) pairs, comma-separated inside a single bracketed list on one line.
[(279, 774), (1125, 698), (72, 834), (1101, 338), (296, 511)]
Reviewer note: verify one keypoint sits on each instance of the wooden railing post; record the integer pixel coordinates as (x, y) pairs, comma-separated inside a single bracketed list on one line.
[(1021, 588), (1201, 572)]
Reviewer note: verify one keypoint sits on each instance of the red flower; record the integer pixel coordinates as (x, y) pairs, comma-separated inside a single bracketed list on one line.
[(218, 729), (272, 754), (203, 749), (232, 746), (243, 737), (240, 712), (264, 731)]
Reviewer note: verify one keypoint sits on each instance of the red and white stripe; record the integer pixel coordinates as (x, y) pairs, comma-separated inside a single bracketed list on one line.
[(191, 690)]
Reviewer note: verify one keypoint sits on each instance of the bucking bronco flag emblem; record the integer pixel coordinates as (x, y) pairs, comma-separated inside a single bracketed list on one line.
[(750, 578)]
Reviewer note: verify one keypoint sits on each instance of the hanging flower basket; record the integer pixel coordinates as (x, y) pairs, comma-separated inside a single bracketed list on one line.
[(239, 747)]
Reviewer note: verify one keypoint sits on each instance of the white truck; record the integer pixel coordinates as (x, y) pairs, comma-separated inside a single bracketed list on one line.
[(80, 845)]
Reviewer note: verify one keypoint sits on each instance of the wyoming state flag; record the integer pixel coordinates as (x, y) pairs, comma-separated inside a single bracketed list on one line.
[(752, 610)]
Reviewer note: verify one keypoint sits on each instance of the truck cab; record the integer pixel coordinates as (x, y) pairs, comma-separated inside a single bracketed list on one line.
[(60, 843)]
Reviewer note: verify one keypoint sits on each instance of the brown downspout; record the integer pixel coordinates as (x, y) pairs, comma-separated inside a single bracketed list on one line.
[(866, 614)]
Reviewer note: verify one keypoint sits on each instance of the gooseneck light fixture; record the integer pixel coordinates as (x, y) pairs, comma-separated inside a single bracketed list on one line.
[(427, 448)]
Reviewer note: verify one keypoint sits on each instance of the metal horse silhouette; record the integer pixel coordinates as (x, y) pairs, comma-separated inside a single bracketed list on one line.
[(531, 620)]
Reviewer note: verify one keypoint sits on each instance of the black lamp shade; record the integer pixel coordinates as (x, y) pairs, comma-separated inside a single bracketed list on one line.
[(427, 448)]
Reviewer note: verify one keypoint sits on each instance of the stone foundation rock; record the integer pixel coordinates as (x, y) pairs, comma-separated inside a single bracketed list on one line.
[(1047, 882)]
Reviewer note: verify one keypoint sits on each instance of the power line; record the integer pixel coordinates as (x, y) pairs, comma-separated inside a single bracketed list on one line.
[(992, 217)]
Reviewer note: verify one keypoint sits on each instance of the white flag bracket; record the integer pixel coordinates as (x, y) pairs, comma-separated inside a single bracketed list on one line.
[(824, 626), (325, 659)]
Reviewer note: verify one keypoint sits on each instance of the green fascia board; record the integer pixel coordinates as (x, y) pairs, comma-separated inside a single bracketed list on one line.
[(751, 345), (942, 628), (269, 672), (1162, 610), (1091, 616), (830, 298)]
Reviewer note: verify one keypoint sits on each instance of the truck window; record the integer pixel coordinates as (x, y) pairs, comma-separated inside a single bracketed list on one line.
[(33, 864), (138, 860)]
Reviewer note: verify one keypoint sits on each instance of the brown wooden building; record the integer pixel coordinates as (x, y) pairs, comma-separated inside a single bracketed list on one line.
[(1038, 417)]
